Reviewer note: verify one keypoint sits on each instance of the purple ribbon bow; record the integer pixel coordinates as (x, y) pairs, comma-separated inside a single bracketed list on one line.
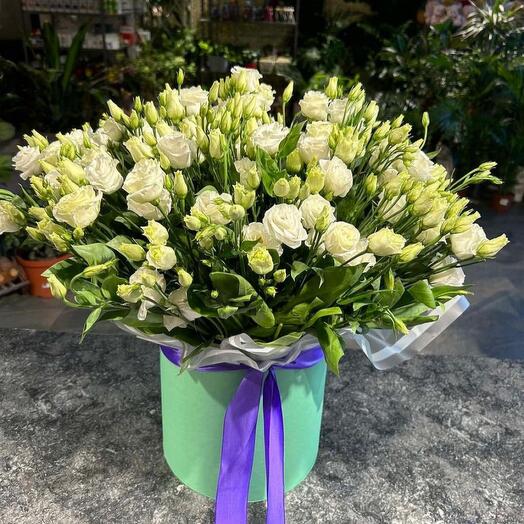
[(238, 438)]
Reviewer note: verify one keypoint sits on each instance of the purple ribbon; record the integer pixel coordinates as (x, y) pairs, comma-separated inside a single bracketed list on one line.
[(238, 438)]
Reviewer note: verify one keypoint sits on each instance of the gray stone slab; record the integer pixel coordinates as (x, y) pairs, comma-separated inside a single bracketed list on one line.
[(436, 440)]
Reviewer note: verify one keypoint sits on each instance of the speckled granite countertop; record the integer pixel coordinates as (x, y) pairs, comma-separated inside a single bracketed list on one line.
[(438, 439)]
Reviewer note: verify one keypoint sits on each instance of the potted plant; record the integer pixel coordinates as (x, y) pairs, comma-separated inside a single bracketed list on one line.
[(252, 252), (35, 258)]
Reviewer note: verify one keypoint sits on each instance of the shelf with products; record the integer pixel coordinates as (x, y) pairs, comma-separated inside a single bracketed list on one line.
[(113, 25), (254, 24)]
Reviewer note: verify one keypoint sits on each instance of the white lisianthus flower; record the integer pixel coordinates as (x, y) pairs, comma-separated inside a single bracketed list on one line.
[(428, 236), (214, 206), (102, 173), (156, 233), (338, 177), (319, 129), (112, 129), (154, 210), (421, 167), (244, 168), (161, 257), (180, 150), (284, 223), (192, 98), (265, 96), (368, 259), (51, 154), (310, 147), (314, 105), (77, 137), (252, 77), (258, 231), (148, 279), (179, 299), (465, 245), (453, 276), (11, 220), (80, 208), (27, 161), (337, 110), (341, 241), (145, 181), (269, 136), (385, 242), (314, 207)]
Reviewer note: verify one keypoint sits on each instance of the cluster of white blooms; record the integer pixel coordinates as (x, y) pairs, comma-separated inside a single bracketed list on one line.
[(161, 204)]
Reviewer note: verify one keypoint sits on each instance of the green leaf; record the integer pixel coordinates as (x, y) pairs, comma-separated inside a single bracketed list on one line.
[(72, 56), (389, 297), (110, 285), (297, 268), (94, 254), (91, 321), (264, 316), (231, 285), (64, 270), (248, 245), (269, 170), (331, 345), (327, 312), (421, 292), (290, 142)]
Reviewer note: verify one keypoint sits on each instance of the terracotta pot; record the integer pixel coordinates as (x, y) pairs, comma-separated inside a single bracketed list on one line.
[(501, 202), (33, 269)]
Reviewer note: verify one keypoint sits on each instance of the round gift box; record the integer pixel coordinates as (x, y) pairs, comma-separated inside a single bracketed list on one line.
[(194, 404)]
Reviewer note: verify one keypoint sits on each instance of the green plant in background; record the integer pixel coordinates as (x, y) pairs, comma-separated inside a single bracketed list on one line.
[(471, 82), (7, 132), (58, 95)]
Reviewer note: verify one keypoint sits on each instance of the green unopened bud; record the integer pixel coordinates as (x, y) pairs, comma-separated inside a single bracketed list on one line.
[(38, 187), (149, 138), (220, 233), (215, 144), (202, 140), (237, 212), (271, 291), (371, 112), (165, 163), (68, 150), (180, 77), (316, 179), (294, 187), (38, 213), (151, 113), (489, 248), (294, 162), (184, 277), (214, 293), (383, 130), (487, 166), (281, 188), (133, 252), (58, 290), (332, 87), (213, 92), (288, 92), (410, 252), (356, 92), (115, 111), (370, 184), (463, 223), (93, 271), (304, 192), (192, 222), (180, 186), (225, 123), (323, 220), (131, 293), (425, 120), (73, 171), (78, 233), (457, 207), (279, 275), (35, 234), (163, 128), (399, 135), (60, 243), (174, 109), (243, 196)]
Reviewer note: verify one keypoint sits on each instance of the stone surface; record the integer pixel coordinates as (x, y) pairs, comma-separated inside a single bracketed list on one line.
[(436, 440)]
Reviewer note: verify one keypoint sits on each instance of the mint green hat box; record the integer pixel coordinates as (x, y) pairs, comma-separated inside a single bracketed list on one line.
[(193, 407)]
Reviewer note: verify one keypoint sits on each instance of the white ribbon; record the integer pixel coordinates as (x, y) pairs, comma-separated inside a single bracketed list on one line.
[(384, 347)]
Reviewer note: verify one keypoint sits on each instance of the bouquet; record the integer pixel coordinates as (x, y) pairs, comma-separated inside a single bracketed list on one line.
[(201, 216)]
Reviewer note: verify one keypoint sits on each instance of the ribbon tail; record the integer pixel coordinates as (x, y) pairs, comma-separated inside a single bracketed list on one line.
[(238, 448), (274, 451)]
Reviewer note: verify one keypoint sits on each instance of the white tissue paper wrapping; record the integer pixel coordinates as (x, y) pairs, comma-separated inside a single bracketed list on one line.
[(383, 347)]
